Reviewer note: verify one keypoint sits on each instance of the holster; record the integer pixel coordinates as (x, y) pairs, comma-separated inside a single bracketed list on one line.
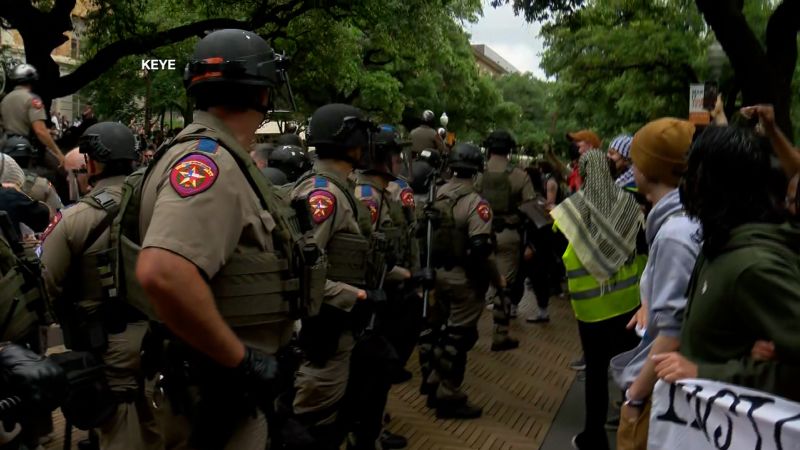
[(313, 270), (83, 330), (319, 336), (90, 402)]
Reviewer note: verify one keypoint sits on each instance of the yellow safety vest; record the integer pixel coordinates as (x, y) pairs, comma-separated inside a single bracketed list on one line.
[(593, 302)]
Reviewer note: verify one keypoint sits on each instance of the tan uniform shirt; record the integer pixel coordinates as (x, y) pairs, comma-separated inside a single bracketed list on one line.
[(424, 137), (471, 212), (400, 191), (377, 202), (331, 213), (198, 204), (64, 239), (20, 108)]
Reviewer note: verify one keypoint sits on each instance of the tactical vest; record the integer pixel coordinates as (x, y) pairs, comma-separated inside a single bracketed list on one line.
[(251, 288), (85, 311), (21, 298), (392, 231), (594, 302), (353, 258), (449, 243), (496, 189), (29, 184)]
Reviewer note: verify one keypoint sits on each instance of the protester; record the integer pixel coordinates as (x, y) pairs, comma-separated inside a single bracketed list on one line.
[(658, 151), (260, 155), (746, 284), (601, 223), (20, 207), (580, 142), (619, 153)]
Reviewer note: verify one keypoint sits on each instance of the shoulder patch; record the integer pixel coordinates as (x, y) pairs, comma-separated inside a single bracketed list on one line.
[(322, 204), (372, 206), (366, 190), (407, 197), (193, 174), (36, 102), (484, 211), (207, 145), (53, 223), (320, 182)]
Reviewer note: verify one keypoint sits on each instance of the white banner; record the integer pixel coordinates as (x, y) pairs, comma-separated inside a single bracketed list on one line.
[(707, 415)]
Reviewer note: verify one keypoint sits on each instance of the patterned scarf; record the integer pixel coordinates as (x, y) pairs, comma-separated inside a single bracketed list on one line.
[(622, 144), (601, 220)]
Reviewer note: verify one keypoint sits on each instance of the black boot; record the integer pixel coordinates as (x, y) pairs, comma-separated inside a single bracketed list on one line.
[(457, 409), (390, 440), (508, 343)]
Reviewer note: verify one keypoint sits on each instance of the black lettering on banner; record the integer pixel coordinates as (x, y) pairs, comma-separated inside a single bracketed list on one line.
[(670, 415), (755, 403), (779, 429), (693, 395), (718, 431)]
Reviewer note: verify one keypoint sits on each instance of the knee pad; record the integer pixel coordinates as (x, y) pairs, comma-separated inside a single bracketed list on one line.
[(462, 338)]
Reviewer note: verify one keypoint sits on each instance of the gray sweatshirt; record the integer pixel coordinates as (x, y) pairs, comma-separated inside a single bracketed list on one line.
[(674, 247)]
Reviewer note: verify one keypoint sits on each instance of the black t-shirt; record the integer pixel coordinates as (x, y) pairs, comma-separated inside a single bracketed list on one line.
[(21, 208)]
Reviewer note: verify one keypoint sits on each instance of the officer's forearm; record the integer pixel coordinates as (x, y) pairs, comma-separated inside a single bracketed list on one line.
[(183, 300), (43, 134)]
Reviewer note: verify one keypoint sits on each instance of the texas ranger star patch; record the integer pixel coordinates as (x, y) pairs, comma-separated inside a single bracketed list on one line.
[(193, 174), (484, 211), (36, 103), (50, 227), (322, 204), (407, 197)]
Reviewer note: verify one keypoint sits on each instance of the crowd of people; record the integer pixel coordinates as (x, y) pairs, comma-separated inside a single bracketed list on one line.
[(217, 293)]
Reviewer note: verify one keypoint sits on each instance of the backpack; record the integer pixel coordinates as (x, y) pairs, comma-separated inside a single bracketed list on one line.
[(496, 189), (449, 242)]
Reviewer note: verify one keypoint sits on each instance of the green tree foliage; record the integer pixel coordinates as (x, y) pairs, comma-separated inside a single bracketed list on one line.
[(621, 63)]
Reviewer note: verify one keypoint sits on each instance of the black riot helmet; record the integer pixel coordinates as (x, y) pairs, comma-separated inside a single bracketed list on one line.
[(105, 142), (336, 128), (465, 160), (275, 176), (432, 157), (388, 153), (23, 74), (229, 67), (291, 160), (500, 142), (19, 148)]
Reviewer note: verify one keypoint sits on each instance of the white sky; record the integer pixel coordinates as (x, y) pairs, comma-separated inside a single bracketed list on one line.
[(510, 36)]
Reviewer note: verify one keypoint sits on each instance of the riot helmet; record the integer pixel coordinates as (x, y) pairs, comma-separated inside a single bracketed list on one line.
[(500, 142), (23, 74), (388, 157), (428, 118), (336, 128), (109, 141), (465, 160), (230, 67), (19, 148), (291, 160), (431, 157), (275, 176), (289, 139)]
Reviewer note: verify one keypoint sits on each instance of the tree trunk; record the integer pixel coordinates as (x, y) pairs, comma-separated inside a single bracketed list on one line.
[(761, 75)]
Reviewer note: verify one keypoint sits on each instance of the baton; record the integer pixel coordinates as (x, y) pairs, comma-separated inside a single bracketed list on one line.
[(429, 241)]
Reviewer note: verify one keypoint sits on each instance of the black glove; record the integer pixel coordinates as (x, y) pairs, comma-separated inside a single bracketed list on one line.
[(319, 336), (38, 381), (426, 278), (376, 296), (432, 214), (258, 370)]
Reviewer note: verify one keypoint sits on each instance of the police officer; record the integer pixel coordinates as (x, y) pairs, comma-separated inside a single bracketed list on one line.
[(79, 278), (213, 259), (393, 327), (506, 188), (290, 160), (461, 251), (341, 226), (38, 188), (425, 136), (24, 114)]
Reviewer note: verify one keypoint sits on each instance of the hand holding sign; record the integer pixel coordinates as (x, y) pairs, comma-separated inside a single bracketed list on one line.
[(672, 367)]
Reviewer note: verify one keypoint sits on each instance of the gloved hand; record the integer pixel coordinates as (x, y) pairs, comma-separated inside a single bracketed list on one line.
[(432, 214), (258, 370), (38, 381), (376, 296), (426, 278), (319, 336)]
